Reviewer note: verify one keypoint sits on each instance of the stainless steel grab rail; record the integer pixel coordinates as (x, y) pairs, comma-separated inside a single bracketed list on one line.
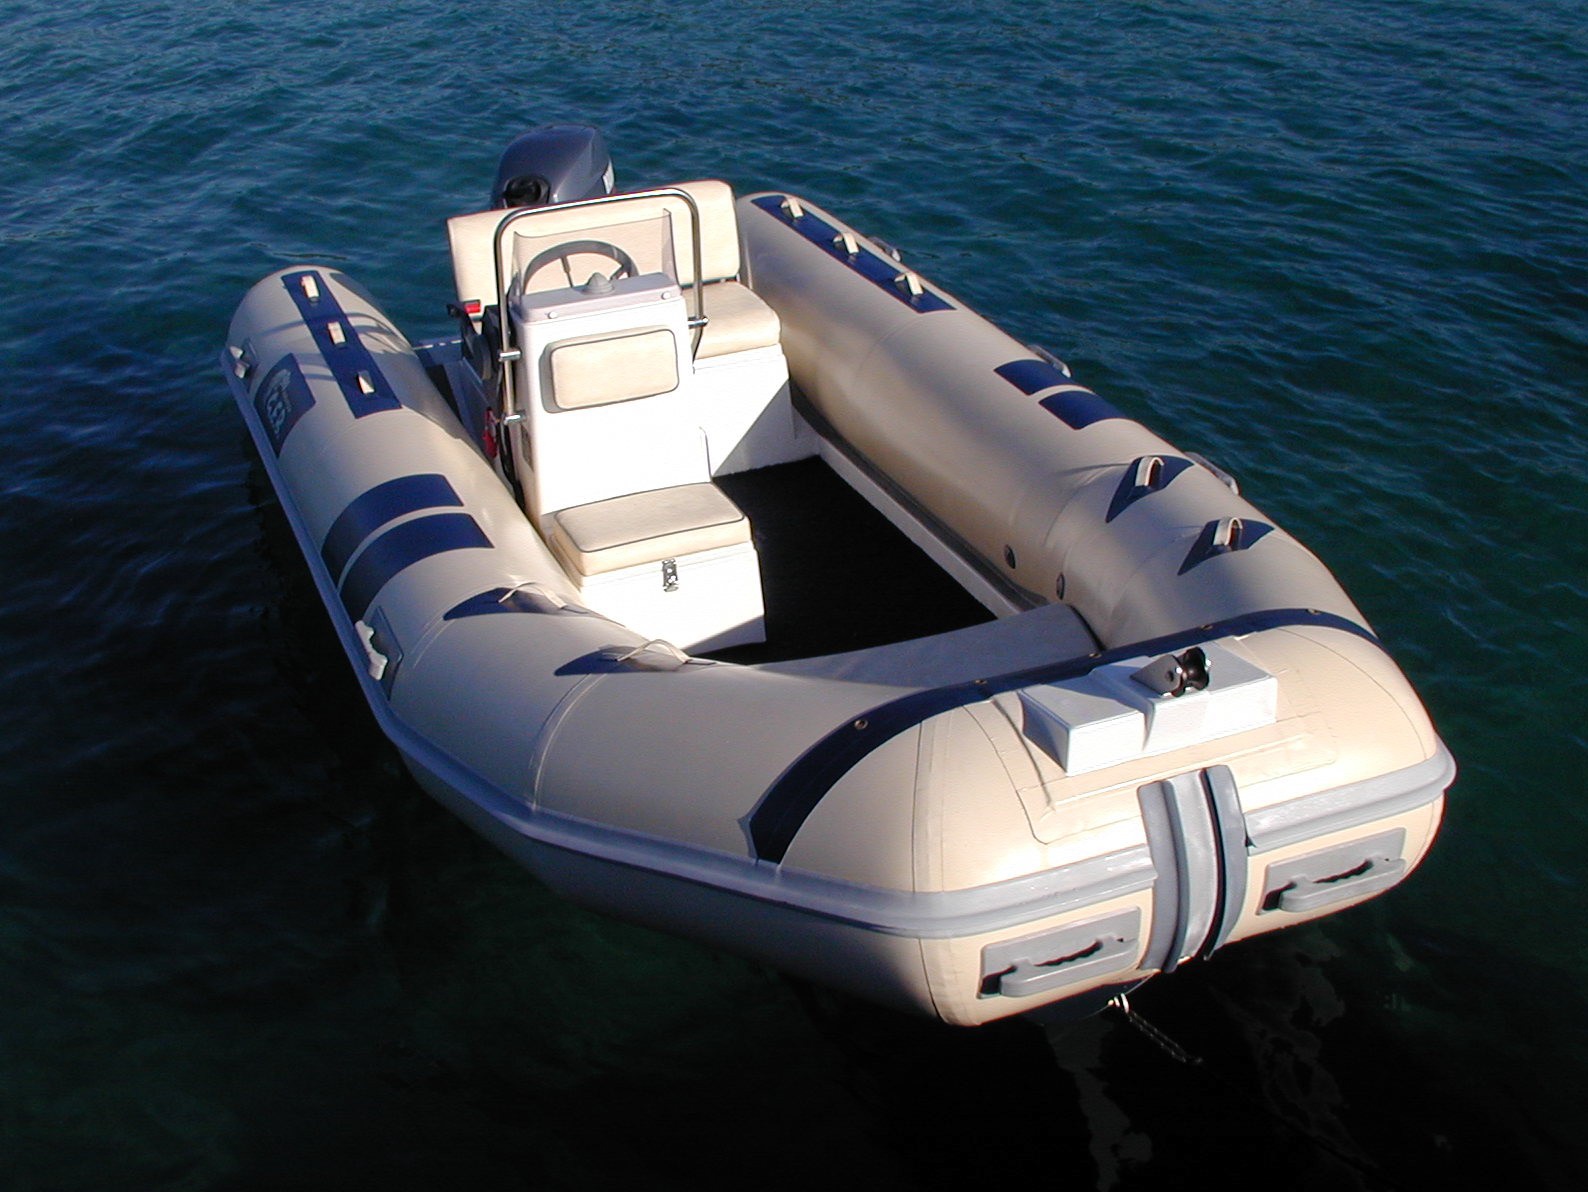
[(505, 351)]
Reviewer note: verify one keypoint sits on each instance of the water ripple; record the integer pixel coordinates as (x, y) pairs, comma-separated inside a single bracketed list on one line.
[(1342, 248)]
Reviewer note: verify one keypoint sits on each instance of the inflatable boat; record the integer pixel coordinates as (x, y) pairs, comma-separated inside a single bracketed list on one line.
[(1169, 730)]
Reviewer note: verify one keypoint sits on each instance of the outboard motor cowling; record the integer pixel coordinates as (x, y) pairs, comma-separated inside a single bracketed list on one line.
[(554, 163)]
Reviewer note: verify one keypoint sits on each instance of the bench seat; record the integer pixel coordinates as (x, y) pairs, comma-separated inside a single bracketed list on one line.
[(646, 527), (736, 321)]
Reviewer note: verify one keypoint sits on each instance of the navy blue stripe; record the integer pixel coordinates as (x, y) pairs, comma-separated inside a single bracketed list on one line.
[(347, 359), (1079, 407), (402, 546), (790, 800), (371, 510), (880, 271), (1032, 376), (1076, 406)]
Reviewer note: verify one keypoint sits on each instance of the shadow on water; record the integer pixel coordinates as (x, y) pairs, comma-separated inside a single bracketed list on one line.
[(271, 962), (959, 1106), (1299, 1068), (277, 964), (1278, 1063), (492, 1033)]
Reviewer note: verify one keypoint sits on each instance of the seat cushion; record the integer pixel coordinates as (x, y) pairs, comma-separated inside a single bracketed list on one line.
[(736, 321), (646, 527), (596, 370)]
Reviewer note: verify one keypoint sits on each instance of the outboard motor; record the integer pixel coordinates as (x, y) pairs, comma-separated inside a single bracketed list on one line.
[(554, 163)]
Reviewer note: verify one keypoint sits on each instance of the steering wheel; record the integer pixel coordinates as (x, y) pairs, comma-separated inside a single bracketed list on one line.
[(565, 252)]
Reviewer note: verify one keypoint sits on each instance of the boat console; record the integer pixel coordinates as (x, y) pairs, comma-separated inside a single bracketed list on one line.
[(631, 366)]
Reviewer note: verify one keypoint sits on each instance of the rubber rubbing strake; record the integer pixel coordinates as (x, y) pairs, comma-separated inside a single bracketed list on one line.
[(1197, 835)]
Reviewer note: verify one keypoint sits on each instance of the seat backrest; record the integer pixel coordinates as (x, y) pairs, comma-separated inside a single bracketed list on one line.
[(599, 370), (630, 226), (719, 233)]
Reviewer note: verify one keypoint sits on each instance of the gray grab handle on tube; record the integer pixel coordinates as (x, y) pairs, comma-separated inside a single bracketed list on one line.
[(1052, 959), (1334, 875)]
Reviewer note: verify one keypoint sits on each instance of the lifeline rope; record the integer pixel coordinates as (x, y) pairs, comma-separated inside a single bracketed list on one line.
[(1169, 1047), (1180, 1055)]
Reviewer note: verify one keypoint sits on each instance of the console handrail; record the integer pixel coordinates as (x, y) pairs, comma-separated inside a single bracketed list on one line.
[(505, 347)]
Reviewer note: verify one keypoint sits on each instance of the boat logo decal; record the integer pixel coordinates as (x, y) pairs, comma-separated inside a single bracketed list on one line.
[(384, 503), (888, 276), (282, 398), (363, 384), (1075, 404)]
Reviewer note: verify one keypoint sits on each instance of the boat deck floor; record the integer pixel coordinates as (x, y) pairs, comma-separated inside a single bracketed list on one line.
[(835, 573)]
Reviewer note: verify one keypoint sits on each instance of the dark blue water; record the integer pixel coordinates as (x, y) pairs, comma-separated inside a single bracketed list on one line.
[(1341, 248)]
